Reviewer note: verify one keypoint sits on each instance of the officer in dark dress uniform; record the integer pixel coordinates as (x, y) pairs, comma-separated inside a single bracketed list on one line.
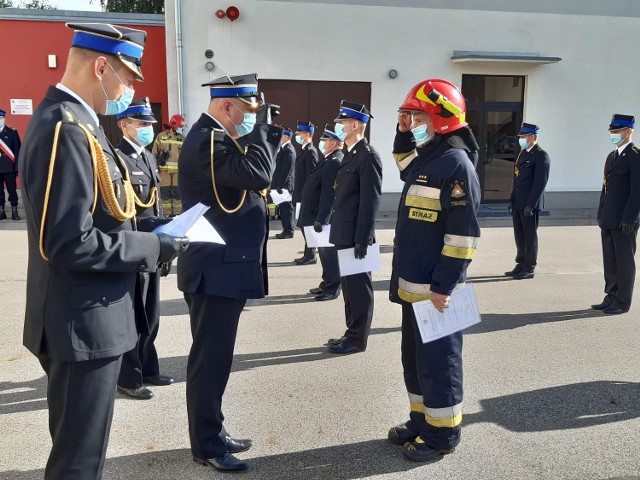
[(9, 150), (618, 217), (305, 163), (357, 198), (435, 239), (530, 175), (283, 179), (141, 364), (317, 205), (217, 279), (84, 255)]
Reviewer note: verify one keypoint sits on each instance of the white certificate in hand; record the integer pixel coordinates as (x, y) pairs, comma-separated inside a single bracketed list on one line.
[(318, 239), (278, 198), (462, 313), (350, 265), (298, 205), (192, 224)]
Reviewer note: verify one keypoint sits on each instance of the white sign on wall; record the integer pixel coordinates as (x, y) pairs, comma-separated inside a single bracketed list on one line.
[(21, 106)]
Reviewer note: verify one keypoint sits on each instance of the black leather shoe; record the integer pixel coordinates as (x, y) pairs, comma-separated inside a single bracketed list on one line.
[(3, 216), (418, 451), (282, 235), (14, 213), (600, 306), (140, 393), (401, 434), (336, 341), (613, 310), (511, 273), (316, 291), (345, 348), (160, 380), (523, 275), (227, 463), (237, 445), (306, 261), (325, 296)]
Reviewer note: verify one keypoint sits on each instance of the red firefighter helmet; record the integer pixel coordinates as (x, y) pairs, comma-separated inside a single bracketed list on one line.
[(440, 99), (177, 121)]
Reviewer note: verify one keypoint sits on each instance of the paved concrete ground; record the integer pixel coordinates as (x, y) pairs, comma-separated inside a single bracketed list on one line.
[(552, 387)]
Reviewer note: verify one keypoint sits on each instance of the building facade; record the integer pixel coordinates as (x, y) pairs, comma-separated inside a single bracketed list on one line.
[(566, 66)]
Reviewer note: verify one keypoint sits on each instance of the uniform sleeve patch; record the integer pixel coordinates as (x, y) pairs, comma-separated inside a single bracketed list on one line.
[(460, 203), (458, 189)]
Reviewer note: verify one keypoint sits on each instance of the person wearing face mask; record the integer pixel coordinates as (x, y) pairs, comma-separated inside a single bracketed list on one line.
[(618, 216), (230, 174), (305, 163), (140, 365), (317, 203), (358, 189), (530, 175), (166, 148), (9, 150), (283, 179), (435, 240), (85, 255)]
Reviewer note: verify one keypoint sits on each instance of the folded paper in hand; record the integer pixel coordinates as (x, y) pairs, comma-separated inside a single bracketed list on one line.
[(192, 224), (278, 198), (318, 239)]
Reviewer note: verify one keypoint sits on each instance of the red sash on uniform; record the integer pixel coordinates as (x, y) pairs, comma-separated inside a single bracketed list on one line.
[(7, 151)]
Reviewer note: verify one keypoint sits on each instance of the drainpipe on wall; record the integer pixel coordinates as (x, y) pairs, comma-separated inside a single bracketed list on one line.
[(178, 18)]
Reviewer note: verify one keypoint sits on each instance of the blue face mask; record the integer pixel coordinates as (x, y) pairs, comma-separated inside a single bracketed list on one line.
[(144, 135), (421, 135), (114, 107), (339, 130), (1, 122), (321, 145), (616, 138), (179, 130), (523, 143), (299, 140), (246, 127)]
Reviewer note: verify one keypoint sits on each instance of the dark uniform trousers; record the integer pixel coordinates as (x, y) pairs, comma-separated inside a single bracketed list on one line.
[(8, 179), (214, 323), (618, 253), (525, 231), (430, 369), (358, 306), (73, 456), (286, 216), (330, 270)]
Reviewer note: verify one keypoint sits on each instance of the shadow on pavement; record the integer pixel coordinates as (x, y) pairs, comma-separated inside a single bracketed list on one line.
[(494, 322), (339, 462), (27, 396), (577, 405), (489, 278)]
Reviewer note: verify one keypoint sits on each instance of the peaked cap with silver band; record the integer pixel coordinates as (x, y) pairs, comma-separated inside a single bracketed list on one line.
[(242, 87), (139, 109), (353, 110)]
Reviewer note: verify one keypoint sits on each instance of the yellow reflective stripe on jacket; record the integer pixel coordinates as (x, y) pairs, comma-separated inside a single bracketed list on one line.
[(413, 292), (423, 197), (447, 417), (403, 160), (459, 246)]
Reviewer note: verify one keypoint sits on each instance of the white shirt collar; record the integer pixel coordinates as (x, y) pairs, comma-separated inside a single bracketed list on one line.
[(135, 146), (218, 122), (60, 86), (621, 148)]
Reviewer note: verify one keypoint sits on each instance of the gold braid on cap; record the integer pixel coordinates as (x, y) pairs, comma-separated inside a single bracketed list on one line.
[(101, 181), (213, 178)]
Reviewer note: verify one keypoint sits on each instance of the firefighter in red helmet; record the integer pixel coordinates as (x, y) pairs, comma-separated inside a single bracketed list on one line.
[(166, 149), (436, 236)]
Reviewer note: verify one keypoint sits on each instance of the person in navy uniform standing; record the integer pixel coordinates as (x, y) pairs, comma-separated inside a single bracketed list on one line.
[(305, 163), (435, 240), (357, 199), (317, 205), (217, 279), (9, 150), (530, 175), (140, 365), (283, 179), (84, 252), (618, 216)]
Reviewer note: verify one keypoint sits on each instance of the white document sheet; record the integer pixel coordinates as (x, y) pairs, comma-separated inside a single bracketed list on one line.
[(318, 239), (462, 313), (298, 205), (350, 265), (278, 198), (192, 224)]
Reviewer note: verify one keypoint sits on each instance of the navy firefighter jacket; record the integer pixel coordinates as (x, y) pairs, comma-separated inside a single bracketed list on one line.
[(437, 230)]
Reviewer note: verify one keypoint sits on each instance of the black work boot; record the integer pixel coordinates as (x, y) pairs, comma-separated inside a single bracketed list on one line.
[(401, 434), (14, 213), (3, 216), (419, 451)]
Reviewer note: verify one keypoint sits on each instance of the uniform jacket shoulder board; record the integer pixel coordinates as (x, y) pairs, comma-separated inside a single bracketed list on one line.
[(67, 115), (219, 134)]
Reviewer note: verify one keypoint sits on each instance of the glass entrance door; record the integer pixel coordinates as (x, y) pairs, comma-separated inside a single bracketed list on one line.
[(495, 125)]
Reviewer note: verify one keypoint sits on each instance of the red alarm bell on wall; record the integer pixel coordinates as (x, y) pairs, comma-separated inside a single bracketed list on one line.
[(233, 13), (220, 13)]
